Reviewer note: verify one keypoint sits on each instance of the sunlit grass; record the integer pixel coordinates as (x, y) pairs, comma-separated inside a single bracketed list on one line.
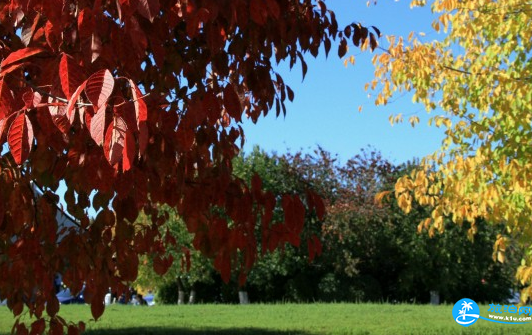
[(303, 319)]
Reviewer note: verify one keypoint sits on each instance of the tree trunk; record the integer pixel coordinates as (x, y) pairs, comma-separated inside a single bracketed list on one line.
[(180, 292), (243, 297), (192, 297), (434, 297)]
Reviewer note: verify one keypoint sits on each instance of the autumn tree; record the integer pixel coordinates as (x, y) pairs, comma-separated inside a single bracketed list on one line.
[(131, 104), (373, 252), (476, 81)]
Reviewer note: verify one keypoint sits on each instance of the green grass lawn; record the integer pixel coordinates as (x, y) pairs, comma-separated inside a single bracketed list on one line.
[(301, 319)]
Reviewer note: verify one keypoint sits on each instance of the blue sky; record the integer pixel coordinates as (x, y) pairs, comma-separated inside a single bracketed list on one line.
[(325, 109)]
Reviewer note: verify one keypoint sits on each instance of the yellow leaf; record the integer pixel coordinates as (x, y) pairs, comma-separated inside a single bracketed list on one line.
[(413, 120), (380, 197), (500, 257)]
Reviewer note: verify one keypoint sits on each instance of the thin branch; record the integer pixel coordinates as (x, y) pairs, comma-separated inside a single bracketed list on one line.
[(43, 92), (458, 70), (134, 100), (479, 74)]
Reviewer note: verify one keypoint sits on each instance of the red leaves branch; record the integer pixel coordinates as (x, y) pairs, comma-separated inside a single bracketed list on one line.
[(72, 109), (118, 138)]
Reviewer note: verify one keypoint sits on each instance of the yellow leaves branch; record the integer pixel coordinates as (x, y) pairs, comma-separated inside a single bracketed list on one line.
[(479, 80)]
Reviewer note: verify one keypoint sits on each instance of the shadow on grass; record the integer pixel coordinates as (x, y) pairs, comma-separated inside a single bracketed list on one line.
[(188, 331)]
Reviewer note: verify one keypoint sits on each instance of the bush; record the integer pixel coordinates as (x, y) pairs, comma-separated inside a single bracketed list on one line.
[(168, 294)]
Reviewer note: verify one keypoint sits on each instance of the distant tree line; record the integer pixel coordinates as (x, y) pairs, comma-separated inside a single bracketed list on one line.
[(371, 250)]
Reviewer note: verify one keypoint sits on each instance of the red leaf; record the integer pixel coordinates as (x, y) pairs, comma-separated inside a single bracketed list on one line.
[(273, 8), (315, 202), (196, 111), (115, 141), (269, 206), (20, 56), (52, 33), (158, 50), (31, 99), (143, 137), (70, 74), (242, 278), (56, 326), (222, 263), (99, 88), (195, 20), (52, 307), (38, 327), (140, 106), (357, 36), (320, 206), (86, 22), (192, 25), (258, 11), (138, 37), (148, 8), (96, 47), (73, 330), (126, 110), (97, 128), (211, 107), (20, 138), (232, 103), (327, 45), (373, 41), (342, 48), (294, 218), (97, 308), (184, 138), (62, 123), (3, 123), (21, 329), (323, 8), (30, 26), (290, 93), (299, 213), (128, 151), (377, 31), (6, 99), (51, 131), (161, 265), (256, 186), (73, 101), (158, 266)]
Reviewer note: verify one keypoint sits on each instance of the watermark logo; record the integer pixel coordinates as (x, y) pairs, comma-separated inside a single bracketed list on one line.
[(466, 312)]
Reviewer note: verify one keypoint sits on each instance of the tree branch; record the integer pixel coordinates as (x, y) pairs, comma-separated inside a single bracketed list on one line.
[(45, 93)]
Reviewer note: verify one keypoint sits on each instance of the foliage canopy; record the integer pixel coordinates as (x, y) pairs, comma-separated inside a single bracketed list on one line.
[(477, 80), (370, 253)]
